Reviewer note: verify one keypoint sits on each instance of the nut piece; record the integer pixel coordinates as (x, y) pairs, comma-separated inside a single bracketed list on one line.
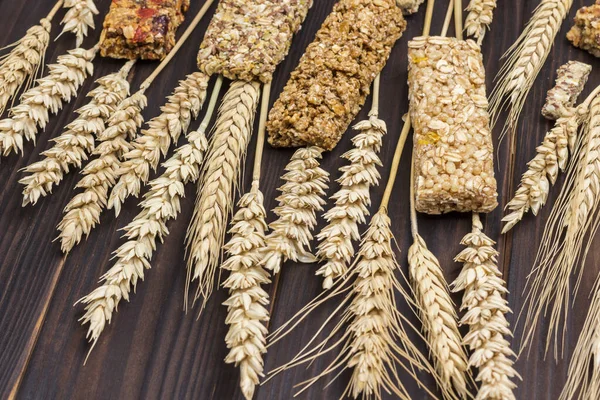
[(570, 80), (409, 6), (333, 78), (247, 39), (585, 34), (453, 151), (142, 29)]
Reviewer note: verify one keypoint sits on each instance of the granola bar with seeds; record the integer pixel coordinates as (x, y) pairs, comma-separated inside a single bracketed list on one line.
[(142, 29), (570, 80), (453, 151), (333, 79), (585, 34), (409, 6), (247, 39)]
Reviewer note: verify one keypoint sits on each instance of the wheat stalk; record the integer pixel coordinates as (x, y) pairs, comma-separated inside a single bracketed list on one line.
[(483, 287), (583, 377), (183, 105), (72, 147), (215, 195), (564, 248), (351, 200), (79, 18), (524, 60), (479, 18), (82, 213), (301, 198), (161, 204), (59, 86)]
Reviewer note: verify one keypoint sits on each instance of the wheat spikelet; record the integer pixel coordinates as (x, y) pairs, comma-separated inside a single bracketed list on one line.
[(483, 287), (351, 201), (183, 105), (60, 85), (438, 316), (20, 67), (583, 377), (72, 147), (160, 204), (215, 196), (479, 18), (567, 236), (525, 59), (301, 198), (82, 213), (542, 170), (246, 312), (79, 18)]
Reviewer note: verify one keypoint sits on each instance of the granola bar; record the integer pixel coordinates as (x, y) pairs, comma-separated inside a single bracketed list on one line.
[(570, 80), (142, 29), (409, 6), (247, 39), (333, 78), (453, 151), (585, 34)]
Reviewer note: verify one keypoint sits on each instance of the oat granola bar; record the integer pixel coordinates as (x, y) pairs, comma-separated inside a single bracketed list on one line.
[(453, 151), (142, 29), (247, 39), (570, 80), (409, 6), (585, 34), (333, 78)]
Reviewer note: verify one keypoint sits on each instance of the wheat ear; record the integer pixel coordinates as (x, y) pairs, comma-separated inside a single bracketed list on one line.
[(59, 86), (479, 18), (21, 66), (302, 196), (79, 18), (82, 213), (353, 198), (246, 338), (160, 204), (572, 223), (74, 145), (583, 377), (486, 310), (524, 60), (181, 107), (215, 196)]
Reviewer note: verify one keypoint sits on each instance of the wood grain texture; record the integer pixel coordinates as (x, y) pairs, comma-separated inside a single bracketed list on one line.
[(153, 350)]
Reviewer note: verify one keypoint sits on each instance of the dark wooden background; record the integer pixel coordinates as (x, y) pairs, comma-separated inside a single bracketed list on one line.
[(153, 349)]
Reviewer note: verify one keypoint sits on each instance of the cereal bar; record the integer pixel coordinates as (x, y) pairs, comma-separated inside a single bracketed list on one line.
[(247, 39), (142, 29), (585, 34), (570, 80), (409, 6), (333, 79), (453, 151)]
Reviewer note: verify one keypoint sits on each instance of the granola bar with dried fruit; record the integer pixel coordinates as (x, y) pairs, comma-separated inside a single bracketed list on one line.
[(585, 34), (247, 39), (453, 151), (142, 29), (570, 80), (333, 78), (409, 6)]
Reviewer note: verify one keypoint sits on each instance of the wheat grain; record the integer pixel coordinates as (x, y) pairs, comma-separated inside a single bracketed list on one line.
[(246, 337), (351, 200), (542, 170), (479, 18), (524, 60), (215, 195), (59, 86), (72, 147), (79, 18), (82, 213), (483, 287), (438, 317), (301, 198), (183, 105), (160, 204)]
